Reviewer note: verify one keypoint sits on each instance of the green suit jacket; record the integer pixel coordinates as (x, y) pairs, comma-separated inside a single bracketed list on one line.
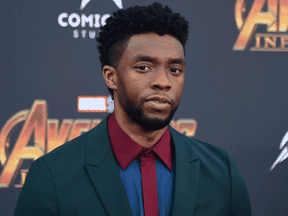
[(81, 178)]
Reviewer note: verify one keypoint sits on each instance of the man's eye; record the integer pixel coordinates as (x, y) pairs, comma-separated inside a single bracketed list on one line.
[(142, 67), (174, 70)]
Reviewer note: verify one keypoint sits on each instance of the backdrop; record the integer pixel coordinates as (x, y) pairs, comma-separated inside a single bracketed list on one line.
[(235, 92)]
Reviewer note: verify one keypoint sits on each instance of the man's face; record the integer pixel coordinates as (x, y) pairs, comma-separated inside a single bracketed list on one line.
[(151, 65)]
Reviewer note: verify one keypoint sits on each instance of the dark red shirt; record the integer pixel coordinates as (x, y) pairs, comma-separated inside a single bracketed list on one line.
[(125, 149)]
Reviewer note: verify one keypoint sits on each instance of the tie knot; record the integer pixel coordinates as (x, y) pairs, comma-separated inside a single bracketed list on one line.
[(146, 155)]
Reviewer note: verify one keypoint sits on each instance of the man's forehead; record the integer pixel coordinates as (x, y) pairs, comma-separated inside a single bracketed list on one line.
[(152, 38), (152, 43)]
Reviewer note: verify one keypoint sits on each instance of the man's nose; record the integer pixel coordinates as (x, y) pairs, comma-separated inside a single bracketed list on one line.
[(161, 79)]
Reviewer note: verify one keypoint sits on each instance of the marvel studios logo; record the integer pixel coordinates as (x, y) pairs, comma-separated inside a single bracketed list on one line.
[(75, 20)]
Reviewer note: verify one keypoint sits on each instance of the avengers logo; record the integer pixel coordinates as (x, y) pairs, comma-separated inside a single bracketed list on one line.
[(271, 13), (47, 134)]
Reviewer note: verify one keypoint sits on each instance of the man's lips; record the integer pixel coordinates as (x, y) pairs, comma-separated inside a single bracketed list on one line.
[(159, 98), (157, 105)]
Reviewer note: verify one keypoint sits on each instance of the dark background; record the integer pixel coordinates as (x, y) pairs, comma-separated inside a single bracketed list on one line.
[(238, 98)]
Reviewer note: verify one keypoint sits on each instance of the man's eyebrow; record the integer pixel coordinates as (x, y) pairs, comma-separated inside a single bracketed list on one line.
[(178, 60), (151, 59), (143, 58)]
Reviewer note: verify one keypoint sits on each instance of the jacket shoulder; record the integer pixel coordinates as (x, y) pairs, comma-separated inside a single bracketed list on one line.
[(207, 153), (207, 148), (71, 152)]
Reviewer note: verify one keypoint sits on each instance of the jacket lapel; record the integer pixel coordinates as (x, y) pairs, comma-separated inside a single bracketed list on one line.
[(187, 175), (103, 172)]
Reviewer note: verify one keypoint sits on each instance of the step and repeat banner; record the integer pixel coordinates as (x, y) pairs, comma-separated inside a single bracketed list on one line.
[(235, 93)]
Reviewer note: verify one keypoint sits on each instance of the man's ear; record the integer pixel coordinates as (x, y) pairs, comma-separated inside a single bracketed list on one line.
[(110, 76)]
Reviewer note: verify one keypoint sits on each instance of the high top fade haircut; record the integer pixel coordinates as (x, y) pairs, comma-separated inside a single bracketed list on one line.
[(115, 35)]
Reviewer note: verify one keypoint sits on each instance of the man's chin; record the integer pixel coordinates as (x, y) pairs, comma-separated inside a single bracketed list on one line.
[(150, 120), (153, 123)]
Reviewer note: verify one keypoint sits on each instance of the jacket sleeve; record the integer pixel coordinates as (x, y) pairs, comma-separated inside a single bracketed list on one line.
[(239, 197), (37, 196)]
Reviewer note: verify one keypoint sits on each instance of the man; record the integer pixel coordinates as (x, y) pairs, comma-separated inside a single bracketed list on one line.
[(134, 162)]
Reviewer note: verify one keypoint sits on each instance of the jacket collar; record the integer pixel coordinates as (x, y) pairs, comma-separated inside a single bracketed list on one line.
[(102, 169)]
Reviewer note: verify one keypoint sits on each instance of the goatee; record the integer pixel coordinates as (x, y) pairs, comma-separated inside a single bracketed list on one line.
[(136, 114)]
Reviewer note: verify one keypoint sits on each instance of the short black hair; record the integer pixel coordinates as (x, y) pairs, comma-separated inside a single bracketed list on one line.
[(114, 36)]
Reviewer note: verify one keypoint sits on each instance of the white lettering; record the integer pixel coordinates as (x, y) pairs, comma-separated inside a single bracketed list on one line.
[(60, 19), (71, 20), (97, 20), (83, 33), (88, 19), (92, 34), (103, 19), (75, 33)]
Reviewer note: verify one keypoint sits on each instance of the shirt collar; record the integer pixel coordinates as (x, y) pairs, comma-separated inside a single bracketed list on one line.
[(125, 149)]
